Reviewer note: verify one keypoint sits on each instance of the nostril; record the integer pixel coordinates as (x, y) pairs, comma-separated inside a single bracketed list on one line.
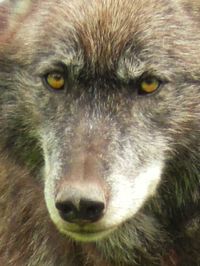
[(67, 210), (91, 210), (65, 206)]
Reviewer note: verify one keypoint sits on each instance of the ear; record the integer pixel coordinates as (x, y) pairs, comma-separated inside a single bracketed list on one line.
[(11, 14)]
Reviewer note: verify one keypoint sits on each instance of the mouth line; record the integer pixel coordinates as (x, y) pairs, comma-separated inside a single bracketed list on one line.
[(88, 236), (83, 232)]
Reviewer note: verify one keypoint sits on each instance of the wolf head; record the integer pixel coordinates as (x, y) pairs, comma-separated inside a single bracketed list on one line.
[(108, 91)]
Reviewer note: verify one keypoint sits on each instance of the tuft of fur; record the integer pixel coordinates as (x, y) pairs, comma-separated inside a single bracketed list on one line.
[(145, 148)]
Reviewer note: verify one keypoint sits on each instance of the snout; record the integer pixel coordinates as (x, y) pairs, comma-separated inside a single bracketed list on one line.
[(81, 203), (81, 194), (78, 199)]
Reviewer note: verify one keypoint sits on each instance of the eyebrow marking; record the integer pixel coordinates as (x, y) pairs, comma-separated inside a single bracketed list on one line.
[(69, 59), (130, 67)]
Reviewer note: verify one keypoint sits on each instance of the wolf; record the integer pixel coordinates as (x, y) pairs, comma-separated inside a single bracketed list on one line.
[(99, 133)]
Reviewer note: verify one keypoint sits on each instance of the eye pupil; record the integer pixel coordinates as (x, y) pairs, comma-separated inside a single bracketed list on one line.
[(149, 81)]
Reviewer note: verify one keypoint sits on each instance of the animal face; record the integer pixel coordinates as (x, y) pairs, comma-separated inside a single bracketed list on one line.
[(104, 89)]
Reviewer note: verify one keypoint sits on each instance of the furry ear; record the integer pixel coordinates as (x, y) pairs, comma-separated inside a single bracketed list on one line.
[(11, 13)]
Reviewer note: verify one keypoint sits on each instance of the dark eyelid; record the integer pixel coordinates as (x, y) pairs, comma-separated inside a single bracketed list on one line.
[(56, 67)]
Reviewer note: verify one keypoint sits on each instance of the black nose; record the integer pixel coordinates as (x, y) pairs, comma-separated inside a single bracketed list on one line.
[(85, 211)]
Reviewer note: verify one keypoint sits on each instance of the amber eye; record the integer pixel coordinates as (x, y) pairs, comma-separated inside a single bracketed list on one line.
[(149, 85), (55, 80)]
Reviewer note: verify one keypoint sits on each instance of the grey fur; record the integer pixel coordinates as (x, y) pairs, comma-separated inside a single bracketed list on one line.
[(104, 46)]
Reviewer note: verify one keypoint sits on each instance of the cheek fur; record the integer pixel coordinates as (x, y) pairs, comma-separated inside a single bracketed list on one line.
[(128, 197)]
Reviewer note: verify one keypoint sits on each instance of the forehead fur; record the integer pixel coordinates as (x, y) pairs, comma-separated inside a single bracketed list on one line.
[(101, 29)]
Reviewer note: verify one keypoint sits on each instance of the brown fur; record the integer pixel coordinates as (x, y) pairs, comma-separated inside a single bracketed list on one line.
[(106, 44)]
